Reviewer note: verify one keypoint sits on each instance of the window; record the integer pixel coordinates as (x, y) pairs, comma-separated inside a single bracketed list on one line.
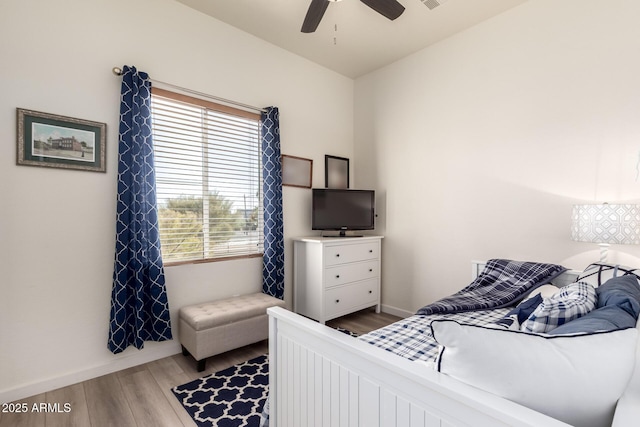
[(208, 178)]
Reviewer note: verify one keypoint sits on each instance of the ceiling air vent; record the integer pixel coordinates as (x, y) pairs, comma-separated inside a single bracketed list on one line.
[(432, 4)]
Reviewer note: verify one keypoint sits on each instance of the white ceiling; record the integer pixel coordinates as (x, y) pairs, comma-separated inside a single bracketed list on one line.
[(364, 40)]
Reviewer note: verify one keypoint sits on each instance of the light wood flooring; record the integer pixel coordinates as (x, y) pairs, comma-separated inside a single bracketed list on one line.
[(141, 396)]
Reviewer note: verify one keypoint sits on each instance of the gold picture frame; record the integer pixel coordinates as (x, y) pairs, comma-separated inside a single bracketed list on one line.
[(55, 141)]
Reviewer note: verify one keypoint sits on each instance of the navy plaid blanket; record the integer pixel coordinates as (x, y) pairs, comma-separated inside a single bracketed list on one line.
[(502, 283)]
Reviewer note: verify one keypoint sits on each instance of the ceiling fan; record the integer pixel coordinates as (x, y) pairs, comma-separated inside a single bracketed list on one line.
[(388, 8)]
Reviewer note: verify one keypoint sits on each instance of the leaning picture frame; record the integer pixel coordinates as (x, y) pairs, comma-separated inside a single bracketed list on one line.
[(56, 141), (296, 171), (336, 172)]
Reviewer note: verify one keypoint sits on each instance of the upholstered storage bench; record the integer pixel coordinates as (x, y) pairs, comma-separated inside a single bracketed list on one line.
[(215, 327)]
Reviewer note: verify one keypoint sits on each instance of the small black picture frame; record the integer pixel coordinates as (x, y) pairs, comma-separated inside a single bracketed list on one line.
[(336, 172)]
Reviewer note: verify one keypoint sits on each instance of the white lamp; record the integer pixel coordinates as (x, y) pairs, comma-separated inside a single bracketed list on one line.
[(605, 224)]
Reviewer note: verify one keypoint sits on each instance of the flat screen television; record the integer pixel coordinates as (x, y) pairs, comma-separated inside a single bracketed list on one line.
[(343, 210)]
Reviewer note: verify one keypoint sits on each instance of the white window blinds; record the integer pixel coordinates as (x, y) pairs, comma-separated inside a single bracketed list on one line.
[(208, 178)]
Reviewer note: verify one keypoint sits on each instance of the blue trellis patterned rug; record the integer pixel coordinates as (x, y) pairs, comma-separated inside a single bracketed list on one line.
[(232, 397)]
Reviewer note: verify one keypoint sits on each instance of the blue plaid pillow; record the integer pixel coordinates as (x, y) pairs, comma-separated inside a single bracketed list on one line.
[(573, 301)]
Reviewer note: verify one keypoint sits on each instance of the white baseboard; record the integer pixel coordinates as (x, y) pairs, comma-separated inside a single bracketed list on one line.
[(135, 359), (396, 311)]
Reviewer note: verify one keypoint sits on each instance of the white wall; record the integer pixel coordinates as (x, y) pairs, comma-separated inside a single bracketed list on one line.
[(477, 148), (479, 145), (57, 226)]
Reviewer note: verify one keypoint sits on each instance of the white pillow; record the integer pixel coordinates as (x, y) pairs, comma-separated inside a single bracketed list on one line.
[(576, 379)]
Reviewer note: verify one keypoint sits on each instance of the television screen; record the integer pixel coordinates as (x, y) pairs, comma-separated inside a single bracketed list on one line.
[(339, 209)]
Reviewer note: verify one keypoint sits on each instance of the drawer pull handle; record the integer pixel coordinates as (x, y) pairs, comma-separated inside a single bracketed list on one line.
[(338, 255), (370, 270), (337, 276), (370, 251), (337, 301), (370, 292)]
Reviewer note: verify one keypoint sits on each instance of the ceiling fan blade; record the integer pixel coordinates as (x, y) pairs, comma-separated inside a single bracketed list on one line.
[(314, 15), (388, 8)]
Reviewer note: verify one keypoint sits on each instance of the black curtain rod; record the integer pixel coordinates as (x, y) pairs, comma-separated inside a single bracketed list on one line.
[(118, 72)]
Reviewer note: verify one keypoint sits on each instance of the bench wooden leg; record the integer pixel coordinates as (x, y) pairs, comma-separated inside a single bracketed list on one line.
[(201, 363)]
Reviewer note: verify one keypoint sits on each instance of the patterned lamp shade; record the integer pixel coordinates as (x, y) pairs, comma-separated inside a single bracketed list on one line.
[(606, 223)]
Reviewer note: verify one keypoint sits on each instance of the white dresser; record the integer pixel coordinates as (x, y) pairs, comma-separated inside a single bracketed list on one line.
[(334, 276)]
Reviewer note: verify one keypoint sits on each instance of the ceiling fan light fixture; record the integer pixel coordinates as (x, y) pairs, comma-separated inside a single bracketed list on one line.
[(432, 4)]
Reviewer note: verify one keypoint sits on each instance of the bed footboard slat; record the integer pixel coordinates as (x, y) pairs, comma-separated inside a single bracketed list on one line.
[(368, 403), (387, 408)]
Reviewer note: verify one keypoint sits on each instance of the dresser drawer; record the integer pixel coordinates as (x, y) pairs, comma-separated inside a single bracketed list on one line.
[(342, 254), (341, 274), (343, 299)]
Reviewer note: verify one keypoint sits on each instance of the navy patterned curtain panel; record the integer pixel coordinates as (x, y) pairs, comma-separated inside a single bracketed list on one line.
[(139, 306), (273, 259)]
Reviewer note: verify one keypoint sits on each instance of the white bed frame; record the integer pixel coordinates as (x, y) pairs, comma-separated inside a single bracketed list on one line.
[(321, 377)]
